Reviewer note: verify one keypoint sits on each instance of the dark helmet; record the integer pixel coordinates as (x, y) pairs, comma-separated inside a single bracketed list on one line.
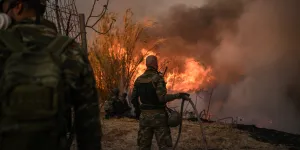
[(13, 3), (174, 118), (38, 5), (151, 61)]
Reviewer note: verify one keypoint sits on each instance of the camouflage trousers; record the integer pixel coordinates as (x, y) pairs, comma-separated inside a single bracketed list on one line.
[(154, 123), (30, 141)]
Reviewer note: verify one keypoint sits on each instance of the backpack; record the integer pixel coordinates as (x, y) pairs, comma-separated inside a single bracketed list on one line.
[(32, 92)]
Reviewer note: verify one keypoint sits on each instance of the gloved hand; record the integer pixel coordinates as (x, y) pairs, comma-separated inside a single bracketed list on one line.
[(184, 96)]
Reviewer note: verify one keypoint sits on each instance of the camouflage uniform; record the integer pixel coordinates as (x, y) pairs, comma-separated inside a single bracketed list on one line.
[(109, 105), (153, 117), (82, 95)]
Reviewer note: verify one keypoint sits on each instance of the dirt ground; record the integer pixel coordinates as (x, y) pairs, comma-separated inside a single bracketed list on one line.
[(121, 134)]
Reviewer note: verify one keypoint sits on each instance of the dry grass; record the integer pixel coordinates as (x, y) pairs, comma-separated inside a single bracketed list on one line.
[(121, 134)]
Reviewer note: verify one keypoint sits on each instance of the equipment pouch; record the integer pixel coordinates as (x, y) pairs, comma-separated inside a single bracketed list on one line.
[(30, 102), (174, 118)]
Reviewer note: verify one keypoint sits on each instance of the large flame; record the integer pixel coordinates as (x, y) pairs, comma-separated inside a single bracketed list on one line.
[(194, 77)]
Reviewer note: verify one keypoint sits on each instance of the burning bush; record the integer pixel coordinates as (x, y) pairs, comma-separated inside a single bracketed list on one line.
[(115, 56)]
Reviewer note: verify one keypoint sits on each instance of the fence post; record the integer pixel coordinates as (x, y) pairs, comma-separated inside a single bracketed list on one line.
[(83, 32)]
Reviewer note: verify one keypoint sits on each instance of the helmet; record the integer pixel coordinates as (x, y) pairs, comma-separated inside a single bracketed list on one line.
[(174, 118), (151, 61), (42, 2), (38, 5)]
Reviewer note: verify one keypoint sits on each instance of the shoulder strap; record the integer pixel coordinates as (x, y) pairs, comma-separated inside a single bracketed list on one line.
[(11, 41), (59, 44), (144, 80)]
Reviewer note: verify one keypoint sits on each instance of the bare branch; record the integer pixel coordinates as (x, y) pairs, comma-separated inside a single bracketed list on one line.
[(68, 28), (99, 16), (91, 12), (110, 26), (57, 15)]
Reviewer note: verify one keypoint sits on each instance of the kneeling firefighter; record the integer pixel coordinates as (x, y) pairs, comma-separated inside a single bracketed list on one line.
[(155, 117)]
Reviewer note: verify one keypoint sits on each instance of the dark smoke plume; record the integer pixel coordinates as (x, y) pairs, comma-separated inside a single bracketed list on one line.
[(196, 31), (268, 52), (255, 42)]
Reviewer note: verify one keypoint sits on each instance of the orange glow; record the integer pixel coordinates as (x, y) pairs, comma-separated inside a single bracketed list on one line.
[(194, 76), (142, 67)]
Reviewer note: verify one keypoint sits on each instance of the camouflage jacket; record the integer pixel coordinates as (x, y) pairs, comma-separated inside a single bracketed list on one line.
[(158, 117), (78, 75), (161, 89)]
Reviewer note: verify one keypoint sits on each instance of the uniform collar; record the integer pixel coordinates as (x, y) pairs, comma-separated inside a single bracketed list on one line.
[(30, 20), (150, 69)]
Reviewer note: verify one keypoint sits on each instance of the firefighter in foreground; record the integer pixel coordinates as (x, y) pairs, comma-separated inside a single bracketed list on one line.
[(42, 75), (150, 87)]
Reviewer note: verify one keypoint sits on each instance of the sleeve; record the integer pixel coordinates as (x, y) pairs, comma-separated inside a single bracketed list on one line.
[(161, 91), (83, 94), (2, 60), (134, 96), (4, 54), (135, 100)]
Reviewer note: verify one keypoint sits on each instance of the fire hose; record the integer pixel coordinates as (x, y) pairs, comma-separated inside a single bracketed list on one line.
[(199, 121)]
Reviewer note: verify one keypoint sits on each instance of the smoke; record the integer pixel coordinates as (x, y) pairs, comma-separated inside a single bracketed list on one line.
[(196, 31), (266, 48), (254, 42), (252, 46), (141, 8)]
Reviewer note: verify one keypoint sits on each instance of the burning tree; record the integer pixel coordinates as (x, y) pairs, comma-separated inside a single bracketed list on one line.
[(116, 55)]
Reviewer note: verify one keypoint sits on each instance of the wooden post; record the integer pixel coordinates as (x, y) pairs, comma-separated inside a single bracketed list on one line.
[(196, 100), (207, 114), (83, 33)]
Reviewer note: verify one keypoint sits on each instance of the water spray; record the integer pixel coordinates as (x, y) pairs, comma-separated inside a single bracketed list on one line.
[(199, 121)]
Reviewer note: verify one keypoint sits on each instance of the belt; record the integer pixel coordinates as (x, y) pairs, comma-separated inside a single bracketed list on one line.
[(152, 107)]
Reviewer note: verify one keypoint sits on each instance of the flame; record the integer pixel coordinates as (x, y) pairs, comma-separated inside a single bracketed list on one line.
[(117, 51), (194, 76)]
